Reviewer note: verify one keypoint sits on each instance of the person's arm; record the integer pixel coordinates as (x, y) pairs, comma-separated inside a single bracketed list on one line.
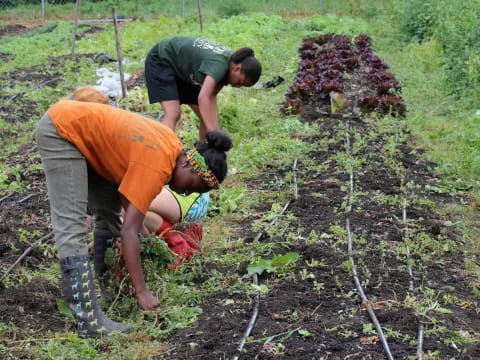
[(207, 103), (132, 224), (143, 230)]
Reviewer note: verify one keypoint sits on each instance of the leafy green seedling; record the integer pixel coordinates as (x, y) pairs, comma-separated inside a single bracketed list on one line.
[(305, 333), (64, 309), (282, 261)]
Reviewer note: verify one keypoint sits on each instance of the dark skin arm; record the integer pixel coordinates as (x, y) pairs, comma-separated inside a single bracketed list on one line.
[(207, 105), (143, 230), (132, 225)]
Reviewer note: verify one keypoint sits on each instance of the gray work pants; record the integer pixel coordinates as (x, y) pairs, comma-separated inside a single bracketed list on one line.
[(72, 185)]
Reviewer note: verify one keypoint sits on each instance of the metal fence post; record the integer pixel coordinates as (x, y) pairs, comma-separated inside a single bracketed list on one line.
[(44, 5)]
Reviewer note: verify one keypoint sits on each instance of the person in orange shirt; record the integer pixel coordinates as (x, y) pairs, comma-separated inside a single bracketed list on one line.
[(102, 157), (167, 209)]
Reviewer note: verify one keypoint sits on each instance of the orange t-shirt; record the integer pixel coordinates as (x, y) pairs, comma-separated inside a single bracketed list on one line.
[(127, 149)]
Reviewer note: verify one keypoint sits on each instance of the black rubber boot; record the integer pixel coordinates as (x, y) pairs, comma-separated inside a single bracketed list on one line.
[(103, 260), (79, 291)]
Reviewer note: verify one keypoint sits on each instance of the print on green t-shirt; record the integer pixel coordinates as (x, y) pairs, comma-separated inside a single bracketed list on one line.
[(193, 58)]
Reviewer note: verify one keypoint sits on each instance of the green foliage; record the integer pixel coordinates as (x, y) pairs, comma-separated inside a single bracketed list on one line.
[(63, 308), (228, 200), (73, 347), (304, 333), (332, 24), (56, 41), (454, 24), (155, 254), (277, 263), (263, 139), (229, 117), (418, 20), (231, 8), (459, 37), (11, 178)]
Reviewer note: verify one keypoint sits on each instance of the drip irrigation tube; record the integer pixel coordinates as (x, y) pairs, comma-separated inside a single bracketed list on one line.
[(294, 179), (256, 300), (251, 323), (358, 285), (406, 237), (39, 86), (407, 248), (410, 273), (6, 196), (420, 343), (25, 253), (29, 196)]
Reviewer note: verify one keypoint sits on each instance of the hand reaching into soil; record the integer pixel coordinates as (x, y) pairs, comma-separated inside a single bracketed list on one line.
[(147, 300)]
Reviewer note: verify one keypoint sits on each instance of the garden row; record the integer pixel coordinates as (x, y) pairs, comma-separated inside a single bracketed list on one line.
[(328, 63), (358, 252)]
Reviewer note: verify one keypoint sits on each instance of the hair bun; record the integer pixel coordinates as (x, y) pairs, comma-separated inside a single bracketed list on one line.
[(219, 141)]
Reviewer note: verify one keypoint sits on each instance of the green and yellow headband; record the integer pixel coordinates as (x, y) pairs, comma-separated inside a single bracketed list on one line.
[(200, 167)]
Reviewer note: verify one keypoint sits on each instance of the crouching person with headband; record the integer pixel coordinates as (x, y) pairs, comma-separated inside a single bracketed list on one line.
[(102, 157), (176, 217)]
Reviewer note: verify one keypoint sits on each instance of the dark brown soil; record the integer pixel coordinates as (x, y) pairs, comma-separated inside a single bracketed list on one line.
[(13, 29), (6, 57), (32, 307), (336, 322), (136, 79), (334, 316), (91, 29), (314, 311)]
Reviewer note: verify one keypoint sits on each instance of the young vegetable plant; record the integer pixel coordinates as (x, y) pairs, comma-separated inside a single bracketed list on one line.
[(280, 264)]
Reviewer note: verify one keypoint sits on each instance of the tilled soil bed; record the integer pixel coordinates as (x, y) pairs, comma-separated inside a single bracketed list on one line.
[(314, 310)]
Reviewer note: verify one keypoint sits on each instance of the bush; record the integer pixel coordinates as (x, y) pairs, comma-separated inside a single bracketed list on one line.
[(231, 8), (418, 20), (459, 37)]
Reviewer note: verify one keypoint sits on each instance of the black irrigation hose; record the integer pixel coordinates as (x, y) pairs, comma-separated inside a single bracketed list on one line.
[(29, 196), (6, 196), (251, 323), (256, 300), (25, 198), (39, 86), (25, 253), (365, 300)]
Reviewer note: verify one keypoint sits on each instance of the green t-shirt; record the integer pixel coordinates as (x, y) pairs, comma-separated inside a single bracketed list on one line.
[(194, 58)]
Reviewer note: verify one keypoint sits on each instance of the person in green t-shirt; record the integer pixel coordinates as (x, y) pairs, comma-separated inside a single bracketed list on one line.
[(192, 70)]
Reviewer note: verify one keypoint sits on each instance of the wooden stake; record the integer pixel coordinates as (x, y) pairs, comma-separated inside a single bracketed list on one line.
[(199, 4), (119, 54), (75, 25)]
